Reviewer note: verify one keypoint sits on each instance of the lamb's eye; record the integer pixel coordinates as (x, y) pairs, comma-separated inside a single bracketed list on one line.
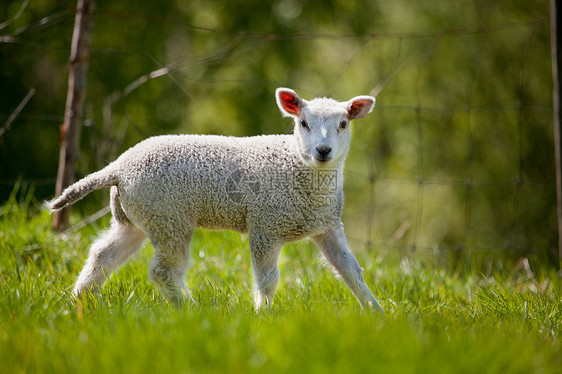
[(343, 124), (304, 124)]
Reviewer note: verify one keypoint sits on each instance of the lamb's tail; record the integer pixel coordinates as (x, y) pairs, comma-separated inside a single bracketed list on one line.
[(100, 179)]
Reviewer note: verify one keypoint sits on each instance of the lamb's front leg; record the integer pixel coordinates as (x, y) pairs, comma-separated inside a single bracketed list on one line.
[(334, 246), (265, 255)]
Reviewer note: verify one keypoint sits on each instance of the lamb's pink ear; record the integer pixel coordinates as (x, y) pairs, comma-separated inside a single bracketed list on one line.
[(289, 102), (360, 106)]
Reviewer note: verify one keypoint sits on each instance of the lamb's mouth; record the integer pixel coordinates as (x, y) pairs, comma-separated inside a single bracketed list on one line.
[(322, 160)]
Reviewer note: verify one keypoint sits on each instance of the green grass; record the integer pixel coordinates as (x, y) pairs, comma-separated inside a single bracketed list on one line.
[(438, 320)]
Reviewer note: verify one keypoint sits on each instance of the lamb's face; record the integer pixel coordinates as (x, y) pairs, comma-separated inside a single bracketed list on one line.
[(323, 132), (322, 125)]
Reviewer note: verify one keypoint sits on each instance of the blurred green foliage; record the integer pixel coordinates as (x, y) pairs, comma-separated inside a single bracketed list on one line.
[(458, 154)]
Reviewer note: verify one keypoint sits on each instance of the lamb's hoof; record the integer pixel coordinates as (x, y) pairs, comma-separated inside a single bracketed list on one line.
[(182, 299), (374, 306)]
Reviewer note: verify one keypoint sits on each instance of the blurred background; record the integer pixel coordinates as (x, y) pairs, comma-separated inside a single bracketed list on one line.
[(455, 163)]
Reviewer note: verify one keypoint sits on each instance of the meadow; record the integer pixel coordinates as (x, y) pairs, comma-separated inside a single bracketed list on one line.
[(439, 318)]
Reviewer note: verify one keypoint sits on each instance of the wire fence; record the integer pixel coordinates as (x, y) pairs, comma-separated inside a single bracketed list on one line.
[(514, 188), (457, 156)]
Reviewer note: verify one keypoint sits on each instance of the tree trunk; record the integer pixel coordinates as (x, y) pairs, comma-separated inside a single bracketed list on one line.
[(73, 116)]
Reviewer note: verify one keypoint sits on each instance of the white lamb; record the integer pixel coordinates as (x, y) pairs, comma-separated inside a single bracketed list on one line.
[(278, 188)]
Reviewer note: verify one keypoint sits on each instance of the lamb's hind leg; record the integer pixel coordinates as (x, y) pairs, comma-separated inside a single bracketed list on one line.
[(109, 251), (171, 257), (334, 246)]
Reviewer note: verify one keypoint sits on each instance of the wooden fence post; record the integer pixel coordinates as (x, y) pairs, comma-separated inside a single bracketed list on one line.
[(556, 43), (73, 116)]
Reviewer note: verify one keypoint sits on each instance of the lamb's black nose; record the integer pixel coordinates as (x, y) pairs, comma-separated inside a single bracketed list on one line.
[(324, 150)]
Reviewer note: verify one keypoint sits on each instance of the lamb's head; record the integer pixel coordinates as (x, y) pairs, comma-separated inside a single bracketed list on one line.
[(322, 125)]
